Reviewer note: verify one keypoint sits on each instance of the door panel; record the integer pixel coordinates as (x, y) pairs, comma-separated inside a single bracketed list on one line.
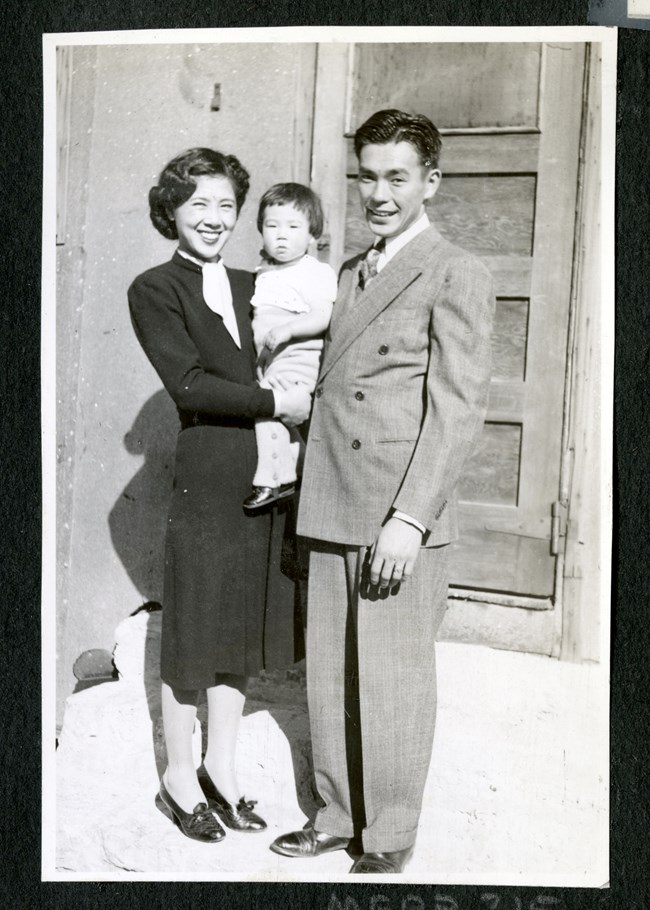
[(509, 339), (492, 472), (456, 85)]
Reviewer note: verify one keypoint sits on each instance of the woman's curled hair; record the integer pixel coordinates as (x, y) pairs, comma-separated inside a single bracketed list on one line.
[(177, 183)]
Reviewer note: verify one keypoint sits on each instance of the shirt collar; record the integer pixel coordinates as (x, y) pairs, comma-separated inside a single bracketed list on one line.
[(395, 244)]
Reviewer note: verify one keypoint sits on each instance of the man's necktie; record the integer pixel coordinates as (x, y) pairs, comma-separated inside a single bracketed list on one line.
[(218, 296), (368, 268)]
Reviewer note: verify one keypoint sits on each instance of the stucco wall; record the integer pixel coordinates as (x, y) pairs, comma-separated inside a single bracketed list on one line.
[(132, 109)]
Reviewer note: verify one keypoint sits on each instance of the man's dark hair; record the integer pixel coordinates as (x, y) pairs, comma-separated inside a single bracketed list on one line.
[(397, 126), (300, 197)]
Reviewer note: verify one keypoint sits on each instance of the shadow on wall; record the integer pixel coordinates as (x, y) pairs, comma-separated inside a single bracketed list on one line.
[(138, 523), (138, 519)]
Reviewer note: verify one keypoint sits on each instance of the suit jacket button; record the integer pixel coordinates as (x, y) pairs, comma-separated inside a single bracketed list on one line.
[(359, 396), (356, 444), (319, 392), (383, 349)]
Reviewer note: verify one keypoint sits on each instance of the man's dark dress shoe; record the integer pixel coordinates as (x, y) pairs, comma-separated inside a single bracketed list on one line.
[(308, 842), (200, 824), (240, 817), (373, 863), (266, 496)]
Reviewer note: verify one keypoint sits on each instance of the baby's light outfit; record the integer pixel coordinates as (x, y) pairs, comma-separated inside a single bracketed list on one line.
[(281, 293)]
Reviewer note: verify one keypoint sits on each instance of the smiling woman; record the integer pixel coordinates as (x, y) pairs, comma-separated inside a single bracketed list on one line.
[(227, 608)]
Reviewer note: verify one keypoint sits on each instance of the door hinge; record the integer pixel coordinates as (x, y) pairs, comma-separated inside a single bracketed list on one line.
[(558, 525)]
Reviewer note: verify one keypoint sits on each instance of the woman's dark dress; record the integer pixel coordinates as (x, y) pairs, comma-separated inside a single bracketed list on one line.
[(227, 607)]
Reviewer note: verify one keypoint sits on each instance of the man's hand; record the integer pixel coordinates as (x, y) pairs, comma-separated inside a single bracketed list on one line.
[(295, 406), (393, 554)]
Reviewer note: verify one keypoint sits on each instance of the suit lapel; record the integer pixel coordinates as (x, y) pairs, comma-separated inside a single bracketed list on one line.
[(353, 313)]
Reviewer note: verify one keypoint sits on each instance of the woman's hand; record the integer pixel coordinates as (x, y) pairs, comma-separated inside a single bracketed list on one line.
[(295, 406)]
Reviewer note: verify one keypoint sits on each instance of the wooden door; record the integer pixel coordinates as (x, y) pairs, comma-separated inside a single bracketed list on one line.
[(510, 116)]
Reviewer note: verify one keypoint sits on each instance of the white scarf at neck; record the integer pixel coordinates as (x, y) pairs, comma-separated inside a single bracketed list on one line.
[(217, 293)]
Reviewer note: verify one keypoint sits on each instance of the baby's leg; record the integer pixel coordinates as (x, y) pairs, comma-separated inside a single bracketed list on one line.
[(277, 454), (279, 450)]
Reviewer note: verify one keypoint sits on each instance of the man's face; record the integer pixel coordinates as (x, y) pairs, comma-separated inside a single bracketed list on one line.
[(393, 185)]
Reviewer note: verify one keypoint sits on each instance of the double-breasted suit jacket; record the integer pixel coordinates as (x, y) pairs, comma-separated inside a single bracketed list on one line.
[(401, 395)]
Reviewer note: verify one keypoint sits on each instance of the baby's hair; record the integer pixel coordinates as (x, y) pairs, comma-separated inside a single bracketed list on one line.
[(398, 126), (301, 198), (177, 183)]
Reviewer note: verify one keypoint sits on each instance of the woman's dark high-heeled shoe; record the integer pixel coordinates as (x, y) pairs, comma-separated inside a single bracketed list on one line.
[(240, 817), (200, 824)]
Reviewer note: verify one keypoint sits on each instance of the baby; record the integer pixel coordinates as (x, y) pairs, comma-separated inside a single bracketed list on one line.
[(292, 306)]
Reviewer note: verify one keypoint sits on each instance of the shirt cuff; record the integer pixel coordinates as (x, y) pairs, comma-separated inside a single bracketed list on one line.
[(278, 402), (409, 521)]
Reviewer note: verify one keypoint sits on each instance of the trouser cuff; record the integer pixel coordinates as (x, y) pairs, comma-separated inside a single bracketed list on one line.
[(388, 842)]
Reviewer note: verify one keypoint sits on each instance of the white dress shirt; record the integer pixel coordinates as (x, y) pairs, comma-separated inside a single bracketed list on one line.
[(394, 244)]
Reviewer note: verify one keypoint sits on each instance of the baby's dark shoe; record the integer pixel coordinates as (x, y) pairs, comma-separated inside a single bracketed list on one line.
[(266, 496), (285, 490), (259, 499)]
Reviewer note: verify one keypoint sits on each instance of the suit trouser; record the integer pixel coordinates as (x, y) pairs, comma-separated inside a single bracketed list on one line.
[(371, 686)]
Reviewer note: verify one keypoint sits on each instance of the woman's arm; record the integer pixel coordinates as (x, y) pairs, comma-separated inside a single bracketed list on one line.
[(160, 328)]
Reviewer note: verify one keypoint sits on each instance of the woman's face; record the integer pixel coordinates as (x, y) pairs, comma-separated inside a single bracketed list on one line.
[(205, 221)]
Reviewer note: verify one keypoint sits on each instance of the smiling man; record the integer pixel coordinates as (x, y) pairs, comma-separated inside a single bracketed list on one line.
[(398, 407)]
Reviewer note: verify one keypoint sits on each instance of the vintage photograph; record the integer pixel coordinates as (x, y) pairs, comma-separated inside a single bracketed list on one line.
[(327, 428)]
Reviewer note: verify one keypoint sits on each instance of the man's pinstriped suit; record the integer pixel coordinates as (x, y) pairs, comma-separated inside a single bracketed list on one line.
[(399, 404)]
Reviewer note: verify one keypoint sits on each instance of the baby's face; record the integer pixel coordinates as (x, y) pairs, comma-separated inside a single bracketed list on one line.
[(285, 232)]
